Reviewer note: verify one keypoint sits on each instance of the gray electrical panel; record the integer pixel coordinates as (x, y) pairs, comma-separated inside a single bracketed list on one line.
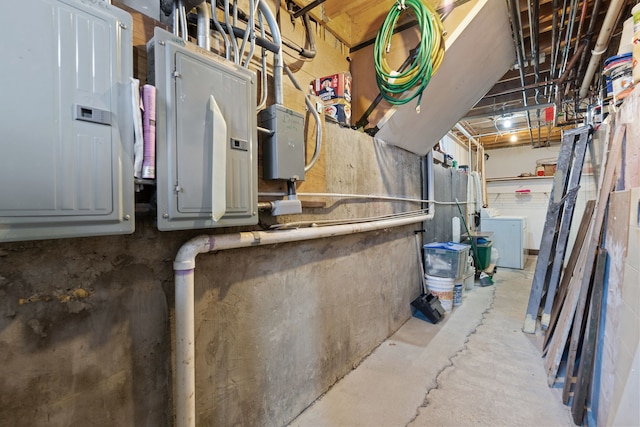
[(283, 150), (66, 165), (206, 153)]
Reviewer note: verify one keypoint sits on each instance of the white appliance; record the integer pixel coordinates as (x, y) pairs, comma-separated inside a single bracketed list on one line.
[(508, 237)]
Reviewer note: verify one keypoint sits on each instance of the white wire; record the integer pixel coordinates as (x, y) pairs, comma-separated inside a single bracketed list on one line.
[(363, 196), (328, 222)]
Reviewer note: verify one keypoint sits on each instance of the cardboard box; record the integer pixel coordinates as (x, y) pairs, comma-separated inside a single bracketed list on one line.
[(334, 86), (339, 111), (549, 170)]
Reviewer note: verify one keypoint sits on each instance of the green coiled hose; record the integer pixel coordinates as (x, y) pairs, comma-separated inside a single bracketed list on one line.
[(427, 58)]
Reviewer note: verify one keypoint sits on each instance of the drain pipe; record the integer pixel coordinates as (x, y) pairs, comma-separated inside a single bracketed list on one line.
[(601, 43), (184, 266)]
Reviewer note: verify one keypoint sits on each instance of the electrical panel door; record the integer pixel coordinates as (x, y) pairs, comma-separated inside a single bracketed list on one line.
[(206, 154), (65, 120)]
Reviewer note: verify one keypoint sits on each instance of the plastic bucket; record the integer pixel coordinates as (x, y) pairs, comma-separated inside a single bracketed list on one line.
[(457, 294), (622, 81), (442, 288), (470, 280)]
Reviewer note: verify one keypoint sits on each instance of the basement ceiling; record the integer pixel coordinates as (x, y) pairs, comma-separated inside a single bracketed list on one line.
[(556, 40)]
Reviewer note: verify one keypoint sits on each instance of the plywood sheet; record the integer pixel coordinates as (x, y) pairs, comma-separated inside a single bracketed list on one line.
[(616, 244)]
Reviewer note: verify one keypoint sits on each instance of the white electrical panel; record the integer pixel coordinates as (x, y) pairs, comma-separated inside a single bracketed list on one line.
[(206, 153), (65, 120)]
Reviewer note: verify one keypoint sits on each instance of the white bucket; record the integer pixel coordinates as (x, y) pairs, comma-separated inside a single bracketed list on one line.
[(470, 279), (442, 287)]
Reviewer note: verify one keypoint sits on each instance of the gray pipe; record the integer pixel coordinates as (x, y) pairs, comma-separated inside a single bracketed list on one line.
[(184, 33), (278, 65), (204, 19), (247, 32), (234, 44), (176, 19), (316, 116), (263, 64), (216, 23), (517, 31)]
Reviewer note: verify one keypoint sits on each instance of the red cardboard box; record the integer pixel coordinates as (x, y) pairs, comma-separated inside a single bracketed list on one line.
[(332, 87)]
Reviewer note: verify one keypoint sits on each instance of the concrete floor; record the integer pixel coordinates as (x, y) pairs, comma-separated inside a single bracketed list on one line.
[(474, 368)]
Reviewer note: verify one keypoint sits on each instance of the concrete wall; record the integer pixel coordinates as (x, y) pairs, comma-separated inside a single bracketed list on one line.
[(86, 324)]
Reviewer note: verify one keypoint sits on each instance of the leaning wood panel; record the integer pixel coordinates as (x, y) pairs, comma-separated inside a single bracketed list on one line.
[(586, 260), (587, 357), (577, 336), (617, 238), (568, 271)]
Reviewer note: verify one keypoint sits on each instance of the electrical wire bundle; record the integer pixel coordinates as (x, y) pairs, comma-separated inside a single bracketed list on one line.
[(426, 59)]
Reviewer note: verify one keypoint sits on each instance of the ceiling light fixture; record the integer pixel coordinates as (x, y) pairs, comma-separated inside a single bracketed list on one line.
[(513, 138), (507, 123)]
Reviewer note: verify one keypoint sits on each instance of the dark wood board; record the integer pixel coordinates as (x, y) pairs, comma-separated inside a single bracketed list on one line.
[(587, 357)]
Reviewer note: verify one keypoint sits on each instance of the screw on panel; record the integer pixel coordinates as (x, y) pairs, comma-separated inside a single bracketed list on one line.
[(127, 217), (165, 216), (161, 43), (177, 74), (123, 26)]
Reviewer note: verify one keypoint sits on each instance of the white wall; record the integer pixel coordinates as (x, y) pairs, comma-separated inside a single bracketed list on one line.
[(533, 205), (513, 161)]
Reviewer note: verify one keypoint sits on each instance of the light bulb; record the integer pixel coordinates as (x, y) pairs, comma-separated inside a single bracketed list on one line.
[(507, 123), (513, 138)]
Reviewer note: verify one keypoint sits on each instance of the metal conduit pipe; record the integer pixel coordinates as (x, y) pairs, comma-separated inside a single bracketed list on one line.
[(554, 64), (554, 29), (232, 37), (176, 19), (601, 43), (184, 267), (204, 22), (533, 12), (316, 117), (263, 66), (247, 32), (183, 22), (216, 23), (278, 66), (252, 32), (517, 38), (567, 42)]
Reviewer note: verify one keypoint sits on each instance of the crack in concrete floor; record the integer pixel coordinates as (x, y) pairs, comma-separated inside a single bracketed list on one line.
[(451, 363), (474, 368)]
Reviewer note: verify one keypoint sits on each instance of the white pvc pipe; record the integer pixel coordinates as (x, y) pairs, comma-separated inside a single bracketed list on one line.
[(601, 44), (184, 266), (468, 135)]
